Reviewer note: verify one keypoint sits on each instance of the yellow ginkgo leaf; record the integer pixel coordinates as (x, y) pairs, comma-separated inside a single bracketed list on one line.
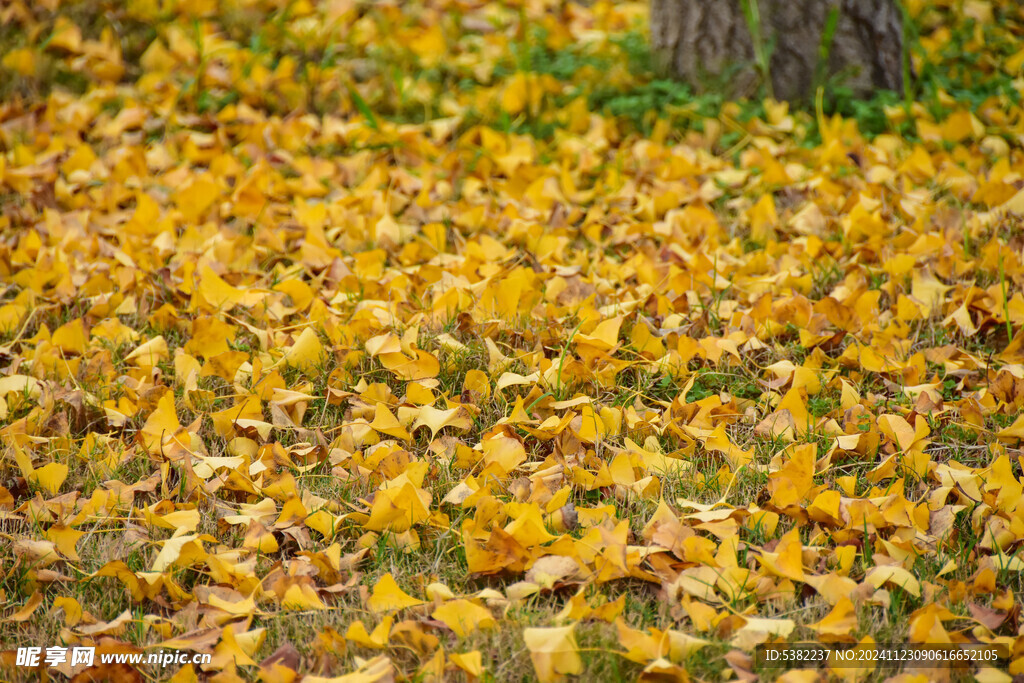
[(757, 630), (604, 336), (385, 422), (423, 365), (464, 617), (554, 652), (515, 94), (839, 624), (149, 353), (1013, 433), (28, 609), (301, 598), (71, 337), (376, 670), (161, 424), (376, 640), (787, 560), (50, 477), (237, 646), (894, 575), (436, 420), (218, 294), (306, 353), (195, 197), (387, 596), (470, 662), (65, 538), (21, 60), (72, 609)]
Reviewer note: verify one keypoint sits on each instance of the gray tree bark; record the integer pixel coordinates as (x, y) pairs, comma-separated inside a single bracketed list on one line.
[(708, 44)]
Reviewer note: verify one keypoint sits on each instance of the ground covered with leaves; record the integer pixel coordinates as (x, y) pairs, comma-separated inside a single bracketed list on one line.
[(442, 340)]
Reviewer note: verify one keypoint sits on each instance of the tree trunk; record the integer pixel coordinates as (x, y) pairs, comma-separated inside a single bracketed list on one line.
[(708, 44)]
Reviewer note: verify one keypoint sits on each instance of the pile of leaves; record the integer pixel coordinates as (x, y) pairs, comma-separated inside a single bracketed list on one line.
[(441, 340)]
